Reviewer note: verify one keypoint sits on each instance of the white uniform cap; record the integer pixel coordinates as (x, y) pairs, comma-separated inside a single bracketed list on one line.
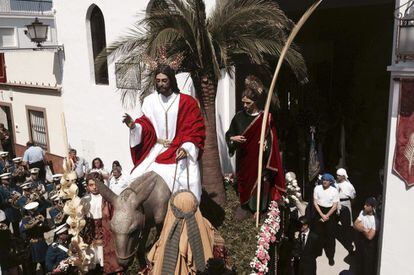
[(55, 197), (3, 154), (18, 159), (2, 216), (34, 170), (31, 205), (61, 228), (57, 176), (342, 172), (5, 176), (26, 185)]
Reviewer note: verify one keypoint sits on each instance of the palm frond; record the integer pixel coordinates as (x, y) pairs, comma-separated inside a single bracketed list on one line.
[(256, 29)]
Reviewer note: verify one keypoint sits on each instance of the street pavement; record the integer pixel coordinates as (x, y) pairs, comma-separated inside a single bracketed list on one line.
[(343, 263)]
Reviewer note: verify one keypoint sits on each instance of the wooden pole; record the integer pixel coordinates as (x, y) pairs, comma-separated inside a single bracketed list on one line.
[(65, 133), (289, 41)]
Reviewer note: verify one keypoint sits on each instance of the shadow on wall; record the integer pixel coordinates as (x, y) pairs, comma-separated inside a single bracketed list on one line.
[(58, 66)]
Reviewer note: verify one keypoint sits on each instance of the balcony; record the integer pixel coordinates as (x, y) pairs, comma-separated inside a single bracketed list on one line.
[(26, 7)]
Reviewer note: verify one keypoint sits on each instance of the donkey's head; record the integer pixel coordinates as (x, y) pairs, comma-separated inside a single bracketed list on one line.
[(128, 218)]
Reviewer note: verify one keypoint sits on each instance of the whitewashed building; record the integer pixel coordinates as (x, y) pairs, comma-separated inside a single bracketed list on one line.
[(46, 84), (30, 81), (92, 104), (398, 219)]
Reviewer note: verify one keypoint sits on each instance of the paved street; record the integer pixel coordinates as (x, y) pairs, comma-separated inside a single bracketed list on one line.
[(342, 266)]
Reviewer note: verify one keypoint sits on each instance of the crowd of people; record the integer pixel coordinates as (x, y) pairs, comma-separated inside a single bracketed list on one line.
[(169, 140), (329, 217), (31, 210)]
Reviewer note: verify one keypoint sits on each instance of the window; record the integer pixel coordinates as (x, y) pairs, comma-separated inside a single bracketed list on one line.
[(7, 38), (3, 78), (98, 38), (38, 127)]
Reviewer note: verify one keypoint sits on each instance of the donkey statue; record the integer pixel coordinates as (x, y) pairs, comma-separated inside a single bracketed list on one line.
[(136, 210)]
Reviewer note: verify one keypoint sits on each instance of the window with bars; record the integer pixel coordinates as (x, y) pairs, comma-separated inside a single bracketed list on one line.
[(38, 128)]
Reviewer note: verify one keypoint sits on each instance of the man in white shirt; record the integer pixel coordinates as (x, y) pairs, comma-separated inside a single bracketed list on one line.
[(34, 157), (346, 195), (366, 244), (118, 182), (325, 200)]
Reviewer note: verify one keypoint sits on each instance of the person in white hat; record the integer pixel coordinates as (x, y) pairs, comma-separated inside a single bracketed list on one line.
[(37, 182), (346, 195), (5, 163), (33, 227), (8, 196), (17, 160), (25, 197), (57, 208), (20, 171), (58, 250)]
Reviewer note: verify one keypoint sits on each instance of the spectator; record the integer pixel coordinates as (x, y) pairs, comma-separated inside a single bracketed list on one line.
[(115, 164), (34, 157), (5, 138), (325, 200), (5, 164), (81, 168), (118, 182), (346, 195), (366, 244), (98, 166)]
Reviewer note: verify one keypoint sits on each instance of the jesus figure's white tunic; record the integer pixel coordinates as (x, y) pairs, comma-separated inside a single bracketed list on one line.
[(154, 108)]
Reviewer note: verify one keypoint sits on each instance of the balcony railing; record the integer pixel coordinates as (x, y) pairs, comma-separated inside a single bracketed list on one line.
[(26, 7)]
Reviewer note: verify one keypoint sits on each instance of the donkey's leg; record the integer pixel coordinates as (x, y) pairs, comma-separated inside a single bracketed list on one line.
[(142, 259)]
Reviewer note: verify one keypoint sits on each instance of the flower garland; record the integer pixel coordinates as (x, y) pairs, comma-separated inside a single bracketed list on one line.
[(266, 236), (293, 190)]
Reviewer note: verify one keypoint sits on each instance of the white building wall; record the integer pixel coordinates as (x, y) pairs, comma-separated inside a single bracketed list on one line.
[(34, 70), (33, 67), (94, 112), (19, 22), (397, 221), (54, 109)]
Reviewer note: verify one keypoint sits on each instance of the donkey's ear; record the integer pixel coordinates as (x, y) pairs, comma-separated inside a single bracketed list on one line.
[(144, 185), (105, 192)]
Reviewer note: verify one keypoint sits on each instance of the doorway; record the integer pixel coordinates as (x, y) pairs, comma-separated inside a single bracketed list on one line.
[(6, 118)]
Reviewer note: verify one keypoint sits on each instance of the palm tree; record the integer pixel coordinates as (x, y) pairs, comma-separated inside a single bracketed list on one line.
[(236, 31)]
